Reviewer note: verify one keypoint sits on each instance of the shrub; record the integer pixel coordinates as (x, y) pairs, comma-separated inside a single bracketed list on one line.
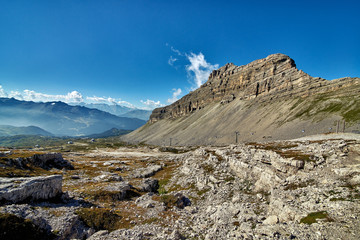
[(99, 218), (13, 227)]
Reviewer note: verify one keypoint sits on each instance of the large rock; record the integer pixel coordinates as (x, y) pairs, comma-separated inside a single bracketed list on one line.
[(16, 190), (45, 161), (147, 172), (149, 185)]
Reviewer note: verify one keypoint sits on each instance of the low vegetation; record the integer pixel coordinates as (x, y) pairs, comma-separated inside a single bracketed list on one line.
[(100, 218), (314, 216), (285, 151), (13, 227)]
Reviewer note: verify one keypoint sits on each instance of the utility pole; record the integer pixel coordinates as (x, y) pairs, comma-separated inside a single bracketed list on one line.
[(337, 126), (344, 127), (236, 136)]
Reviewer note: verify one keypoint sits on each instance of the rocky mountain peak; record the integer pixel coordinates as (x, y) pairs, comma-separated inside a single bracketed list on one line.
[(275, 75), (263, 80)]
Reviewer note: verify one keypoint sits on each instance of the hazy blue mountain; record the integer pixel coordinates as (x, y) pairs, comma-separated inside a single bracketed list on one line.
[(138, 113), (7, 130), (109, 133), (62, 119), (119, 110), (113, 109)]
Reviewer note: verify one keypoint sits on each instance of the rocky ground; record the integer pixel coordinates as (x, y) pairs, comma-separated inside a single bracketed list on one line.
[(303, 189)]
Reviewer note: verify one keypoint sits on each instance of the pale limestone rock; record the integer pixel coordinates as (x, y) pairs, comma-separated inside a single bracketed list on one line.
[(35, 188)]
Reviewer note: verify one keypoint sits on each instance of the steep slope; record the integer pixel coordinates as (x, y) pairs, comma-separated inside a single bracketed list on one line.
[(7, 130), (61, 118), (265, 99)]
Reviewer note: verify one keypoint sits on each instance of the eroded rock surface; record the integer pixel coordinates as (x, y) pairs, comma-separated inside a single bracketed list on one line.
[(31, 189), (280, 190)]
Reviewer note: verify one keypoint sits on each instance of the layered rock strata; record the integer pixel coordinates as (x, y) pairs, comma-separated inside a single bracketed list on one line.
[(275, 76)]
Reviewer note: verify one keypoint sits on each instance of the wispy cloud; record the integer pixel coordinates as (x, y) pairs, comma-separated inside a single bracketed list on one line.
[(177, 51), (73, 97), (172, 60), (151, 104), (199, 69), (109, 100), (2, 92), (176, 93), (30, 95)]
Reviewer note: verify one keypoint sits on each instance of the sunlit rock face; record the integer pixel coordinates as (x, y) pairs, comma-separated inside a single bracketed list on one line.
[(275, 76)]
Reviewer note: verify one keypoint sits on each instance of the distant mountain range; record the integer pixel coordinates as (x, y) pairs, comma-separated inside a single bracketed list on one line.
[(109, 133), (62, 119), (7, 130), (120, 111)]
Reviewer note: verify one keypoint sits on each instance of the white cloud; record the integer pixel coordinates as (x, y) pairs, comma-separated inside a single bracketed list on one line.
[(172, 60), (97, 99), (199, 68), (30, 95), (15, 94), (175, 95), (2, 92), (177, 51), (125, 103), (151, 104), (109, 100), (73, 97)]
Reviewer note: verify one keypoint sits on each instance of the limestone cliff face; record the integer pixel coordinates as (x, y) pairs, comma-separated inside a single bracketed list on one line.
[(275, 76)]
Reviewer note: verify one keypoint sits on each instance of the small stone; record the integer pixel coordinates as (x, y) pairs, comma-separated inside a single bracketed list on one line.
[(271, 220)]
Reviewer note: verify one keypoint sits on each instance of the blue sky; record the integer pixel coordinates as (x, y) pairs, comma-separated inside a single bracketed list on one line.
[(147, 53)]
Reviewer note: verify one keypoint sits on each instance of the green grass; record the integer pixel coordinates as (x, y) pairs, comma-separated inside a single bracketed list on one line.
[(100, 218), (347, 106), (162, 184), (314, 216)]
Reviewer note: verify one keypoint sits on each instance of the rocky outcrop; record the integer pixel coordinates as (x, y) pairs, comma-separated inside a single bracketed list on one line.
[(46, 161), (149, 185), (61, 221), (275, 76), (147, 172), (16, 190)]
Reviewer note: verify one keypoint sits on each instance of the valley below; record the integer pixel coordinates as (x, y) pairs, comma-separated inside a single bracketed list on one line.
[(296, 189)]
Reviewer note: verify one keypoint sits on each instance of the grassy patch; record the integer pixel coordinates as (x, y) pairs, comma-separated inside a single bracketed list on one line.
[(164, 176), (346, 105), (312, 217), (100, 218), (283, 150)]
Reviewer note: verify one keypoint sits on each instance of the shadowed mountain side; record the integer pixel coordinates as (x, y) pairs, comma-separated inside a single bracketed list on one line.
[(266, 99), (7, 130)]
